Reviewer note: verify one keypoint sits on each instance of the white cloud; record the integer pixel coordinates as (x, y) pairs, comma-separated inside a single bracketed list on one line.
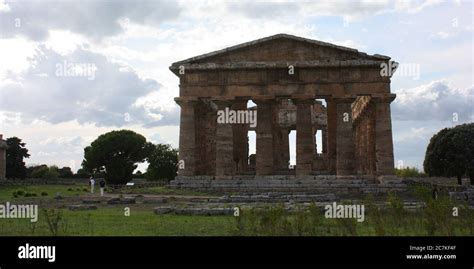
[(14, 54), (94, 19), (443, 35), (437, 101), (414, 6), (102, 97)]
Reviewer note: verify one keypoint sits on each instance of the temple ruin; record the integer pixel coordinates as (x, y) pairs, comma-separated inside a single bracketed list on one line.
[(297, 84)]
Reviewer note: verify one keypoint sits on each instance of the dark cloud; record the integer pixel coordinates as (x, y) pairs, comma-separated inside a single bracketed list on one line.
[(105, 95), (94, 19)]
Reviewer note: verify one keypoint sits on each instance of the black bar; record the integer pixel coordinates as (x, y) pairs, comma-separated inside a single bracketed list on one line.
[(240, 250)]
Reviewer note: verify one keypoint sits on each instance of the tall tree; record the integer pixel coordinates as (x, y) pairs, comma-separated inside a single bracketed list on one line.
[(116, 154), (163, 163), (16, 151), (451, 153)]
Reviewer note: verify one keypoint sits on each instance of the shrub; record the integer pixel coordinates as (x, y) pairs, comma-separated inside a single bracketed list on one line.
[(438, 216), (30, 194), (163, 163), (374, 215), (44, 193), (451, 153), (54, 219), (396, 212), (409, 172)]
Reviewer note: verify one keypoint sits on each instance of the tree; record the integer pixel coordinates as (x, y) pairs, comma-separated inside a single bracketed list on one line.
[(163, 163), (82, 173), (39, 171), (65, 172), (116, 154), (451, 153), (16, 151), (45, 172)]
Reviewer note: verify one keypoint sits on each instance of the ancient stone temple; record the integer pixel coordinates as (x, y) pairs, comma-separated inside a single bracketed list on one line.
[(297, 84), (3, 158)]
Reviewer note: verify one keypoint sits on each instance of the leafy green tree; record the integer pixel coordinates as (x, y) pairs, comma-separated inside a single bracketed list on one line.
[(43, 171), (408, 172), (52, 172), (163, 163), (39, 171), (116, 154), (65, 172), (16, 151), (82, 173), (451, 153)]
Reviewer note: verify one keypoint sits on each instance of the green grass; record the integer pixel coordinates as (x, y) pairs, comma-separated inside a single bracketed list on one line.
[(108, 220), (6, 193), (113, 222)]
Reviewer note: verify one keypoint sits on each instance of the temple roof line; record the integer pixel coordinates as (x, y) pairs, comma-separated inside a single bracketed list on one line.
[(257, 65), (287, 36)]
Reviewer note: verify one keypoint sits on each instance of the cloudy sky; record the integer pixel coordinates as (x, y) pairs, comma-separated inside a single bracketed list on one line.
[(120, 52)]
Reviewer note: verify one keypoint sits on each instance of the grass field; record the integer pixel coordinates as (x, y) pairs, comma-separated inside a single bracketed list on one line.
[(111, 220)]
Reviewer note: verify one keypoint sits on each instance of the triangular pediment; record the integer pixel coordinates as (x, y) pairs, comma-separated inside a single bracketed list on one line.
[(282, 48)]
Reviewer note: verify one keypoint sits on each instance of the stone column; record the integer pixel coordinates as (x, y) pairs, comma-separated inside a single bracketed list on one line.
[(225, 165), (345, 139), (285, 148), (357, 140), (240, 139), (304, 137), (332, 141), (370, 144), (324, 140), (187, 137), (264, 131), (383, 136), (364, 146)]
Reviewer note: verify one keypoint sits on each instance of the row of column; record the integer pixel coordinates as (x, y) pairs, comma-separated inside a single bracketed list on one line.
[(365, 141), (343, 143)]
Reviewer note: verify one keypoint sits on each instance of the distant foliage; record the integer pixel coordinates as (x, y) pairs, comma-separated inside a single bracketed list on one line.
[(116, 154), (15, 153), (82, 173), (409, 172), (43, 171), (163, 163), (450, 153), (65, 172)]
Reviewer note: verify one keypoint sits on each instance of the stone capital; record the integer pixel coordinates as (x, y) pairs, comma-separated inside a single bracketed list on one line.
[(339, 100), (383, 98), (265, 101), (223, 103), (186, 101)]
